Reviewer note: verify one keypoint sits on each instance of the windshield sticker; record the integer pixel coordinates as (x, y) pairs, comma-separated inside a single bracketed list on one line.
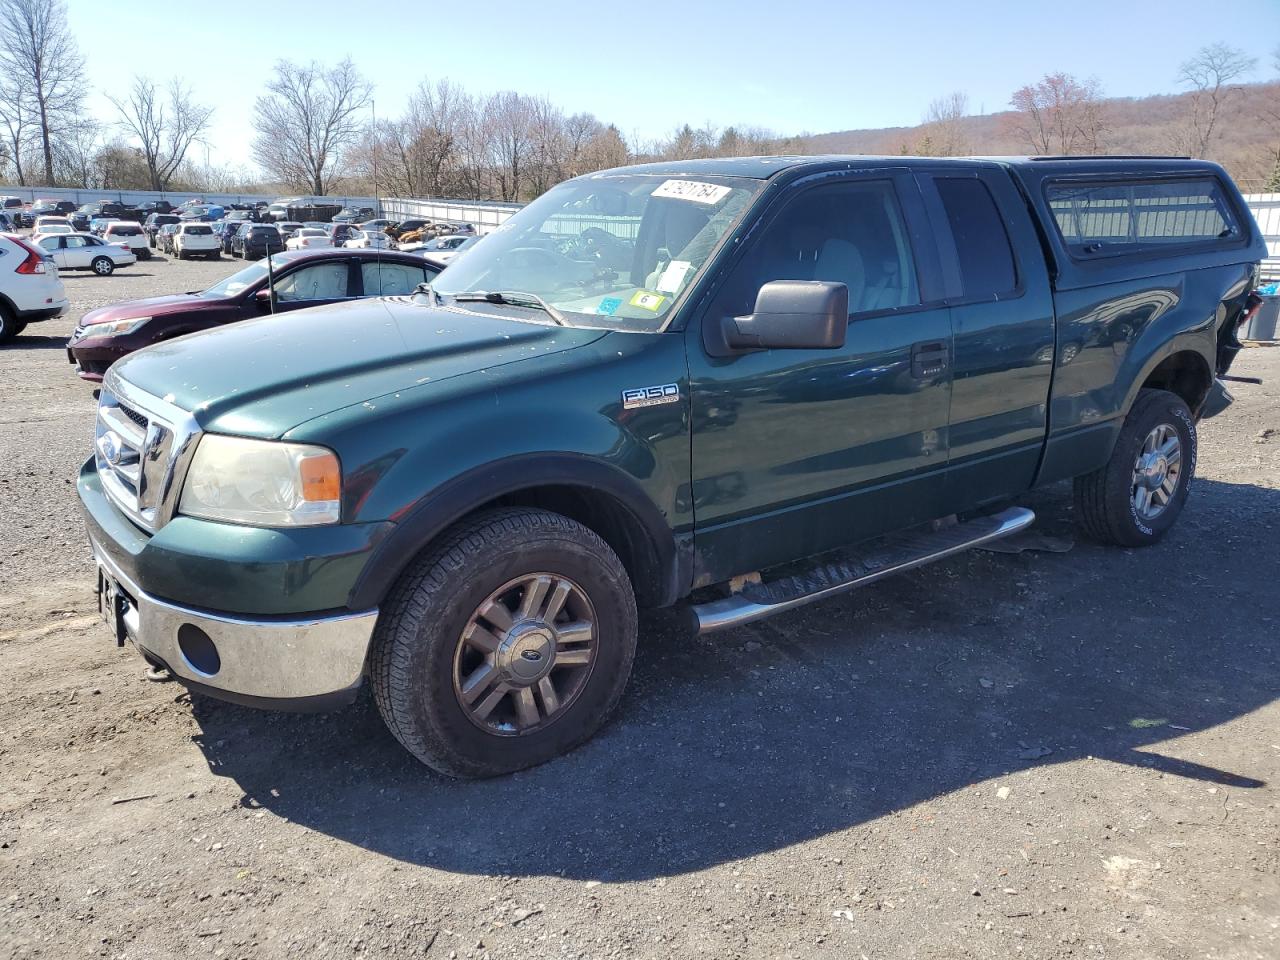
[(647, 301), (708, 193), (609, 306), (673, 276)]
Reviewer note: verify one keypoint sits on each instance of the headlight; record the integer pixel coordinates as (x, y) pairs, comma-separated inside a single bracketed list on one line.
[(262, 483), (114, 327)]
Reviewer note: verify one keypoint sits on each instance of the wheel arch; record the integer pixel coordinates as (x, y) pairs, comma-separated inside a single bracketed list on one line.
[(1183, 372), (595, 494)]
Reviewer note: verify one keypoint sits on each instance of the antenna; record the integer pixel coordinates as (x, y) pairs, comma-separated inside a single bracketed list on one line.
[(271, 275)]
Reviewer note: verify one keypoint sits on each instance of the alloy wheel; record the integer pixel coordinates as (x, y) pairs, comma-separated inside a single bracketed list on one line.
[(1157, 472), (525, 654)]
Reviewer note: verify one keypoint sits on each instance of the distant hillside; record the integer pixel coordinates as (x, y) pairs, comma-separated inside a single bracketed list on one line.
[(1249, 125)]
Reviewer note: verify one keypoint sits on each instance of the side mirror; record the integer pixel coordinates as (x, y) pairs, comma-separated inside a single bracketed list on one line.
[(792, 315), (262, 299)]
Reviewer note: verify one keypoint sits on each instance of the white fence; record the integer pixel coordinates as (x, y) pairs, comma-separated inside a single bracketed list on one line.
[(1266, 210), (485, 215), (134, 197)]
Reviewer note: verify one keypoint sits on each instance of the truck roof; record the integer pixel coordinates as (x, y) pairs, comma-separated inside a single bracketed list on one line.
[(764, 168)]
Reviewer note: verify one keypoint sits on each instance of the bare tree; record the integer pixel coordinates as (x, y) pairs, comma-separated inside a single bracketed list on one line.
[(309, 119), (1059, 114), (508, 117), (165, 126), (40, 64), (942, 133), (16, 121), (1211, 74)]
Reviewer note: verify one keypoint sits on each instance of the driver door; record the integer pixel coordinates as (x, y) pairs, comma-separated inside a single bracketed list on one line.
[(799, 451)]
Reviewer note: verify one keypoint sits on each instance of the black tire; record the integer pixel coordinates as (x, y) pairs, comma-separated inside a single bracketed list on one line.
[(10, 326), (144, 254), (1106, 501), (102, 266), (420, 629)]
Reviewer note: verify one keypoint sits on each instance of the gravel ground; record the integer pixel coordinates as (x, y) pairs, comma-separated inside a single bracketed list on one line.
[(1045, 754)]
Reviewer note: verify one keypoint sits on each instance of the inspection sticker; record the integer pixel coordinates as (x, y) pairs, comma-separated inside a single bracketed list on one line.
[(609, 306), (673, 276), (647, 301), (698, 192)]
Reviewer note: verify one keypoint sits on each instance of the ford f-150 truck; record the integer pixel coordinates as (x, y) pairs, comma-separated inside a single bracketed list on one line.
[(733, 385)]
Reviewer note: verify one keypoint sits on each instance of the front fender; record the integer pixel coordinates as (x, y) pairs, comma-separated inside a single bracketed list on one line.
[(426, 457)]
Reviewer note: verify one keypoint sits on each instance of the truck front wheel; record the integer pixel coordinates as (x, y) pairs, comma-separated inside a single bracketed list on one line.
[(1137, 496), (504, 645)]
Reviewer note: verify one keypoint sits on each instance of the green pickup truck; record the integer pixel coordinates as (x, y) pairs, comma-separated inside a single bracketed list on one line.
[(732, 385)]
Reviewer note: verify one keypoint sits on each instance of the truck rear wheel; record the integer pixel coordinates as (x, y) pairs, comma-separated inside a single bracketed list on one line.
[(507, 644), (1137, 496)]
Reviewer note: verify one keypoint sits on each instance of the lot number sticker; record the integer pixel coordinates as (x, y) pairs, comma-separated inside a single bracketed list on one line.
[(694, 190), (647, 301)]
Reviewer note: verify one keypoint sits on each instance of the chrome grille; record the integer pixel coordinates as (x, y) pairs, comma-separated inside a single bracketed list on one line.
[(142, 445)]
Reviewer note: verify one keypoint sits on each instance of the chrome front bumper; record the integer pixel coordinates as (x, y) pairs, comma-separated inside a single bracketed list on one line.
[(307, 663)]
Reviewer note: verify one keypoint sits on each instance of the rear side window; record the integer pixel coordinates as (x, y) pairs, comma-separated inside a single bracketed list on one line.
[(1098, 219), (982, 242)]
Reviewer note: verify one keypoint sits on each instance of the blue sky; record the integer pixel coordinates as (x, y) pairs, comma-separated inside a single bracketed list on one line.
[(648, 65)]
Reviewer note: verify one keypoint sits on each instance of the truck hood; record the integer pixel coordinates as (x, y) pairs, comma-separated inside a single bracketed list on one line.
[(149, 307), (261, 377)]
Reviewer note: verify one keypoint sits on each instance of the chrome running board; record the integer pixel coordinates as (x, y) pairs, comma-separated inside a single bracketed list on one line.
[(856, 568)]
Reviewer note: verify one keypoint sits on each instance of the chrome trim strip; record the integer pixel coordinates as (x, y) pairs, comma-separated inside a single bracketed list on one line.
[(148, 492), (737, 610), (276, 659)]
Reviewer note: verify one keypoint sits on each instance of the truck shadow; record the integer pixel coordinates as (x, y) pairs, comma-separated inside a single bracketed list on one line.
[(829, 717)]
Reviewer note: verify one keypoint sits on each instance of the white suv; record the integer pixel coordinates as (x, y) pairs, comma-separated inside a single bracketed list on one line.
[(196, 240), (30, 289), (128, 234)]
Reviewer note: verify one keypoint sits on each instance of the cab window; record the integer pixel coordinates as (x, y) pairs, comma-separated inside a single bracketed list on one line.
[(850, 233)]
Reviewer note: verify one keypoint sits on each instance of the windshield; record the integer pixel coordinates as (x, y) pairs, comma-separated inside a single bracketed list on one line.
[(240, 281), (607, 249)]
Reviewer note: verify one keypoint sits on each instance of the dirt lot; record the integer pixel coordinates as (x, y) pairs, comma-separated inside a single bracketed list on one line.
[(1044, 754)]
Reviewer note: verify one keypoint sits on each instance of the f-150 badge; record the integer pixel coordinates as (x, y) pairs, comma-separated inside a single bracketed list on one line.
[(650, 396)]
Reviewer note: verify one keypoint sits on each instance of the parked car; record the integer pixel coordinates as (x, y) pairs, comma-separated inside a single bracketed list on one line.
[(196, 239), (128, 234), (378, 226), (30, 289), (226, 231), (6, 223), (789, 378), (354, 214), (78, 221), (164, 237), (364, 239), (44, 222), (305, 278), (340, 232), (10, 204), (255, 240), (413, 224), (99, 224), (444, 249), (111, 210), (151, 226), (150, 207), (308, 238), (206, 213), (84, 251), (287, 228)]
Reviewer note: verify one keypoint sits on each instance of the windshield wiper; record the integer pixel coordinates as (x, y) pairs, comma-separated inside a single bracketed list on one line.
[(515, 298)]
